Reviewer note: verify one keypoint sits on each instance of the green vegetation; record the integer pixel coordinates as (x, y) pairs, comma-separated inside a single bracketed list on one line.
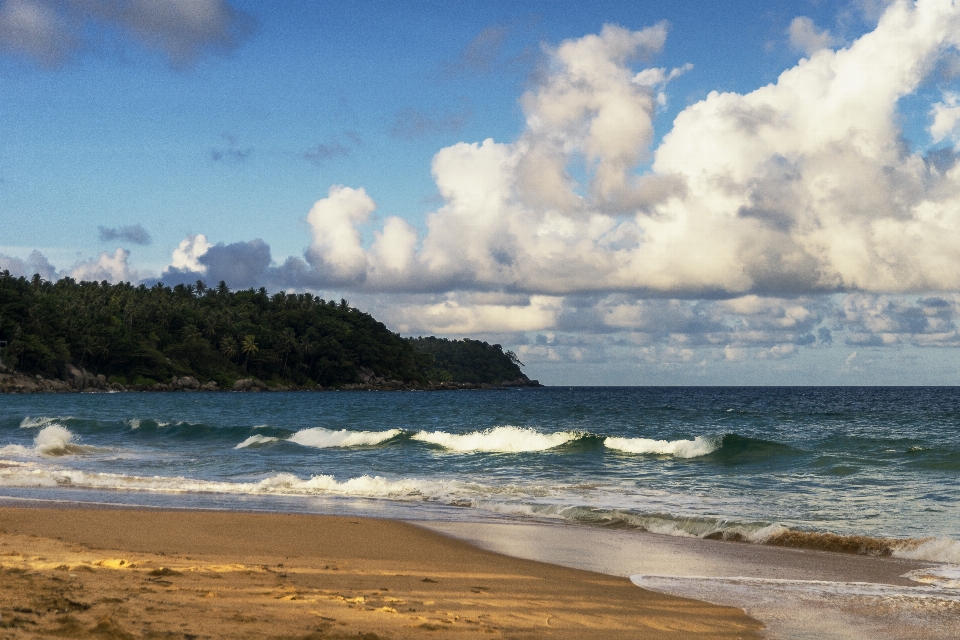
[(138, 335), (470, 360)]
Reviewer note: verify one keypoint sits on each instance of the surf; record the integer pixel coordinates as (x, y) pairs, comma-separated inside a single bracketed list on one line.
[(505, 439)]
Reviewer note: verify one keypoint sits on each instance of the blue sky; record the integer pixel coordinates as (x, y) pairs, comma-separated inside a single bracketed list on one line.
[(669, 193)]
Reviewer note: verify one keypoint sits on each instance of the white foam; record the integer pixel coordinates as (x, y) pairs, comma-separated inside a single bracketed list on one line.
[(699, 446), (134, 423), (944, 576), (255, 439), (934, 549), (52, 440), (55, 440), (506, 439), (42, 421), (16, 450), (282, 484), (321, 438), (760, 536), (803, 609)]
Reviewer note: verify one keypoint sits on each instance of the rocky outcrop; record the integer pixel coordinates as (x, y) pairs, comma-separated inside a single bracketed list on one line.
[(249, 384), (186, 383), (76, 379), (81, 379), (523, 381), (11, 382)]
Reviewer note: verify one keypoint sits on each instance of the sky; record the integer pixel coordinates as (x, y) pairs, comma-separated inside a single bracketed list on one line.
[(623, 193)]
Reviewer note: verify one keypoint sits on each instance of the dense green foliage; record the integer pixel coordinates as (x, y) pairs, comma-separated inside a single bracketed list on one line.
[(138, 335), (470, 360)]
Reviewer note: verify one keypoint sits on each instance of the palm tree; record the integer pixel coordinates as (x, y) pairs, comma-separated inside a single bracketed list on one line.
[(228, 347), (288, 342), (249, 348)]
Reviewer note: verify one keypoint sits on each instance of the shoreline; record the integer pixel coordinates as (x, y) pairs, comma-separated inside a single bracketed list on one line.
[(792, 593), (21, 383), (144, 572)]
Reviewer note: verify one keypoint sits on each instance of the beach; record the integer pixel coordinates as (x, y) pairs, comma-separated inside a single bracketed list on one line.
[(742, 498), (129, 573)]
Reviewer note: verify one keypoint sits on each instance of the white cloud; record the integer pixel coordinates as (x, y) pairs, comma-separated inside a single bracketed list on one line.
[(763, 193), (336, 249), (460, 315), (946, 115), (882, 320), (657, 78), (186, 257), (804, 36), (113, 268)]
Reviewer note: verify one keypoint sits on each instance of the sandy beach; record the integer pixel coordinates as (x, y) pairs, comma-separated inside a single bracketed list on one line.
[(128, 573)]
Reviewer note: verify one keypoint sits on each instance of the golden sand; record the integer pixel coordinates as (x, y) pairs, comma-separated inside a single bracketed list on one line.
[(127, 573)]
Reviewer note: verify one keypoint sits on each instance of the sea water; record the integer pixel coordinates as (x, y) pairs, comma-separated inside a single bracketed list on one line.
[(751, 464), (879, 462)]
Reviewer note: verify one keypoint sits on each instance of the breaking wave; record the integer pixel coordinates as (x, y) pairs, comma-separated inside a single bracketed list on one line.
[(699, 446), (52, 440), (526, 500), (321, 438), (14, 474), (41, 421), (255, 440), (506, 439)]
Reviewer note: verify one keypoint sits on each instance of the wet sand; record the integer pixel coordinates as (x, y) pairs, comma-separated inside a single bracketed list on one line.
[(130, 573), (796, 593), (627, 553)]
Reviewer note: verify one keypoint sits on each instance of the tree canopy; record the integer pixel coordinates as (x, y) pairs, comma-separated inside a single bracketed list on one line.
[(141, 335)]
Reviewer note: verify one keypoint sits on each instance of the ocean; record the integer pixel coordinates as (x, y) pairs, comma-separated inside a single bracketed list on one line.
[(755, 465), (878, 462)]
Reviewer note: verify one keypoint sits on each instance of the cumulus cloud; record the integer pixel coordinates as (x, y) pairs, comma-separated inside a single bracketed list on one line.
[(50, 31), (186, 257), (946, 116), (131, 233), (802, 186), (805, 37), (111, 267), (36, 263)]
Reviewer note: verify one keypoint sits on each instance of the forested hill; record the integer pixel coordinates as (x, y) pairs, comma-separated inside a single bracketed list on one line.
[(143, 337)]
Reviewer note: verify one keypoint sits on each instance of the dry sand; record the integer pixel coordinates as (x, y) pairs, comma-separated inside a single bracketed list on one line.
[(127, 573)]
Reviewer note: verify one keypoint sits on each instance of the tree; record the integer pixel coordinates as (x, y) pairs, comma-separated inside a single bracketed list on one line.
[(249, 347), (228, 347)]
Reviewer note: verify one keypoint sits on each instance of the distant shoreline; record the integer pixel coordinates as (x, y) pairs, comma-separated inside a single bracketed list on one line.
[(20, 383)]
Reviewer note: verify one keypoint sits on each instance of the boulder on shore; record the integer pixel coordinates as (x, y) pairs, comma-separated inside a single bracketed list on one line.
[(81, 379), (249, 384)]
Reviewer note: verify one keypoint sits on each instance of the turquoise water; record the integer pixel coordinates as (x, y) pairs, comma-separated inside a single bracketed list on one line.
[(881, 462)]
